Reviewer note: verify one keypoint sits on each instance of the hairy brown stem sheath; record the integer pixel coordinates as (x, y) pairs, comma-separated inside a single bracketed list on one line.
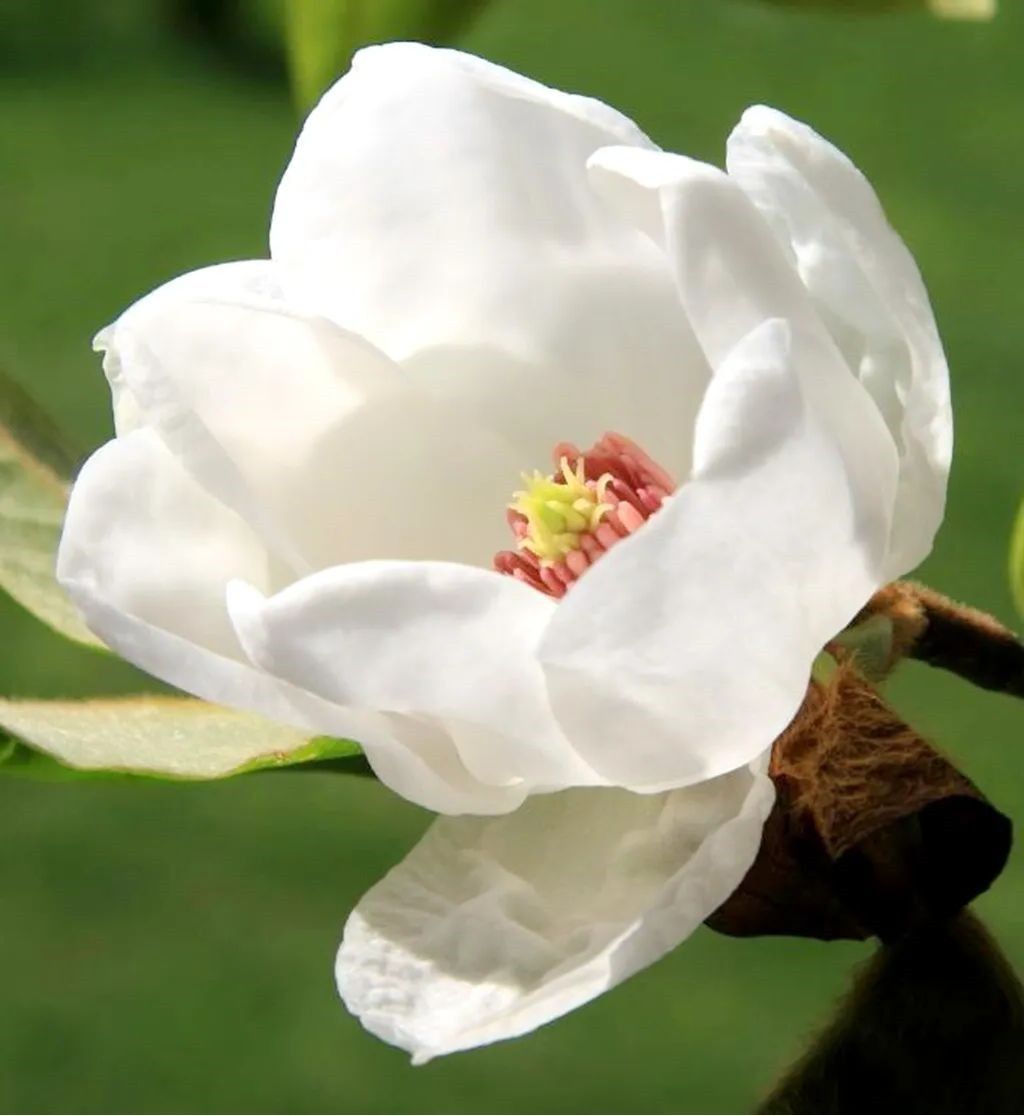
[(873, 831)]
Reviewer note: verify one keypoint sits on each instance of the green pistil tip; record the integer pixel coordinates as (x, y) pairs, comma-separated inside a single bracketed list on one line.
[(558, 512)]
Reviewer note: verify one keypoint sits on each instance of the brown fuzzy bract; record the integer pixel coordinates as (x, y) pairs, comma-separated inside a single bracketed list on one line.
[(873, 830)]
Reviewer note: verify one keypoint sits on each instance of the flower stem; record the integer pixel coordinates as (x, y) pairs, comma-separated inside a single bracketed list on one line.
[(936, 630), (934, 1023)]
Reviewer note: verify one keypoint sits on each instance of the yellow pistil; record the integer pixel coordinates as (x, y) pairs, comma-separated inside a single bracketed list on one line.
[(558, 512)]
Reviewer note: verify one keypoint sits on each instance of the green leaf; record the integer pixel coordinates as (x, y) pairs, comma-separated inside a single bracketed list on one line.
[(322, 35), (155, 737), (1017, 561), (35, 464)]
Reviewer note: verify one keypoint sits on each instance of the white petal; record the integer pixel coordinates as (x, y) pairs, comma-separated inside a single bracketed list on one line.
[(143, 535), (871, 295), (686, 650), (317, 439), (439, 206), (248, 283), (447, 643), (419, 759), (247, 393), (147, 554), (490, 928), (419, 179), (407, 477)]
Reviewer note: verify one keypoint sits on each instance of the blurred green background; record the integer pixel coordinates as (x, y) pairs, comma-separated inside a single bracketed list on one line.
[(168, 948)]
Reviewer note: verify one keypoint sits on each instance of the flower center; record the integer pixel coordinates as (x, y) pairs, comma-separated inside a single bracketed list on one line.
[(564, 522), (559, 509)]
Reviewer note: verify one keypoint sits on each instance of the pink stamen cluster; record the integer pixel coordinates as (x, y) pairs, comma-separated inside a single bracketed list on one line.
[(637, 489)]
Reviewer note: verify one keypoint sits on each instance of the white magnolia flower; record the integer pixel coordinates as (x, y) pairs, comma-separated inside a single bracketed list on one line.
[(314, 453)]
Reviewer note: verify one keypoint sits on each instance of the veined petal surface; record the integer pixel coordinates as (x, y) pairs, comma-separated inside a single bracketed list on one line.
[(492, 927)]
